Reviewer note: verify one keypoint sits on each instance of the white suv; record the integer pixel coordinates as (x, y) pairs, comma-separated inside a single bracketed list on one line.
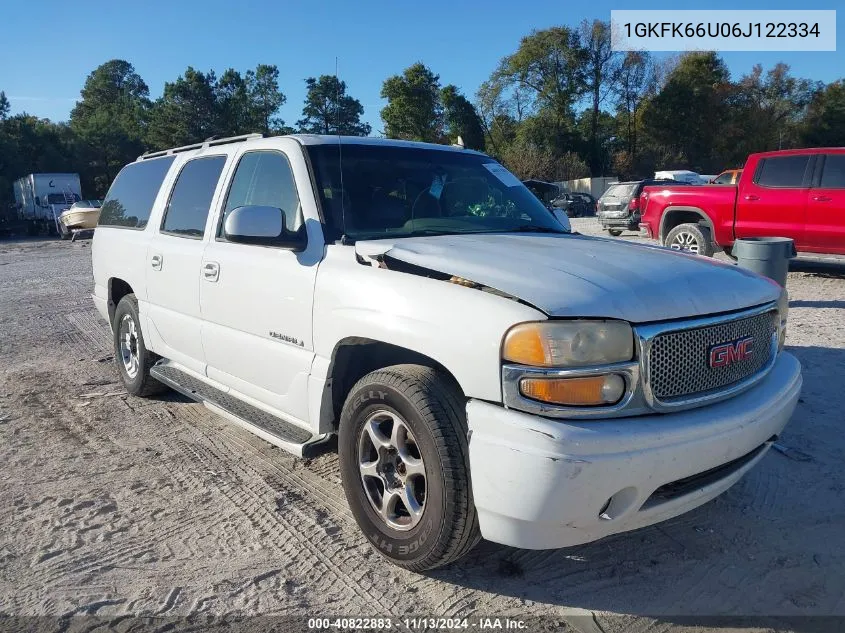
[(487, 372)]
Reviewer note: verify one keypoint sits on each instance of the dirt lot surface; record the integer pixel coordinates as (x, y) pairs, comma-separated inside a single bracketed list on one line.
[(116, 506)]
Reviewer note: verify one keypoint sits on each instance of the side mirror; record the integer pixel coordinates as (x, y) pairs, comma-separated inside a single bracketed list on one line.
[(560, 216), (262, 226)]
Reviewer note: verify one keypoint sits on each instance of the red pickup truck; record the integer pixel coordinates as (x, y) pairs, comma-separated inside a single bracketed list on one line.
[(792, 193)]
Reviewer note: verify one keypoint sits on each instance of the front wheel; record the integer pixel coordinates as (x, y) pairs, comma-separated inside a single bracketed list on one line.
[(615, 232), (404, 463), (692, 238)]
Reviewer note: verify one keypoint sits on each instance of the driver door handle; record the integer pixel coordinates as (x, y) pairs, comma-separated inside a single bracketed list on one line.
[(155, 262), (821, 199), (211, 271), (751, 196)]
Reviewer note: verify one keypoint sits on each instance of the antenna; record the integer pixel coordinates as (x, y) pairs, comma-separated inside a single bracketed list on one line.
[(343, 238)]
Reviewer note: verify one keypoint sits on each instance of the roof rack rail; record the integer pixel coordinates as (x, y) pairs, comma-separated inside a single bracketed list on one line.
[(211, 141)]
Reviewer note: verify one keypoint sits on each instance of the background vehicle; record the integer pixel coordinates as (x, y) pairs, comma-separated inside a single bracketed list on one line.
[(727, 177), (799, 194), (41, 198), (680, 175), (575, 205), (619, 207)]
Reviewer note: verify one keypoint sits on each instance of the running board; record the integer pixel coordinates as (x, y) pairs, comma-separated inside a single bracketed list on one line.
[(265, 425)]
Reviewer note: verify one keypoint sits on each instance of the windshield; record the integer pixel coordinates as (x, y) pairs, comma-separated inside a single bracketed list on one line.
[(389, 192), (620, 191)]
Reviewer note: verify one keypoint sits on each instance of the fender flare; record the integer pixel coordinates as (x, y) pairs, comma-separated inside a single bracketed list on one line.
[(708, 223)]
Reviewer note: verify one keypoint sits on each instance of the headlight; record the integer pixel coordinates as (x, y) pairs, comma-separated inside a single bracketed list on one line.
[(569, 343), (783, 313)]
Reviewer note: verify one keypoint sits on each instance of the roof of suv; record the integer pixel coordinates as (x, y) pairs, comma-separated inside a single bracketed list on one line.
[(312, 139)]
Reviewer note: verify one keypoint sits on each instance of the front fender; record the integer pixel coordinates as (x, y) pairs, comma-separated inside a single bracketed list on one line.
[(461, 328)]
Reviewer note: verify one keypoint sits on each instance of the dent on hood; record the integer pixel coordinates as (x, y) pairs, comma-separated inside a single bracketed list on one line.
[(387, 257)]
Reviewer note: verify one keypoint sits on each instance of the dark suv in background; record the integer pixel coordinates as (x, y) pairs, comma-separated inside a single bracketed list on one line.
[(619, 206)]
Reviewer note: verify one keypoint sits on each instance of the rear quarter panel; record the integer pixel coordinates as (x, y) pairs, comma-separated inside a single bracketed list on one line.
[(119, 253), (717, 202)]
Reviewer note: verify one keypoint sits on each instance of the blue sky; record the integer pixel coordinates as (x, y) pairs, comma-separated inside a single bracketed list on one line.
[(48, 47)]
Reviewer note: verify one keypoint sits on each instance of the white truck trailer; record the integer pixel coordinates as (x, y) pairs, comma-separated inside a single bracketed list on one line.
[(41, 198)]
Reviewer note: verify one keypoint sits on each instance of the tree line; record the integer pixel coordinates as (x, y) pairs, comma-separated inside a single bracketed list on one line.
[(563, 105)]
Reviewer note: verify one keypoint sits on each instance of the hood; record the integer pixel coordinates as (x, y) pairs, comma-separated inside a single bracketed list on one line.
[(580, 276)]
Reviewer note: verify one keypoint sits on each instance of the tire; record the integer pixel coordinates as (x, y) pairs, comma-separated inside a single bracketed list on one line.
[(615, 232), (126, 323), (418, 411), (692, 238)]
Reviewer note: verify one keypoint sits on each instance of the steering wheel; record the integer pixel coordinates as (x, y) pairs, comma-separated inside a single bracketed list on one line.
[(419, 198)]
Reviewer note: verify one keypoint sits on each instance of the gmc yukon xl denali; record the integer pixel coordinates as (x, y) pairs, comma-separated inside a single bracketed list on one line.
[(486, 372), (798, 194)]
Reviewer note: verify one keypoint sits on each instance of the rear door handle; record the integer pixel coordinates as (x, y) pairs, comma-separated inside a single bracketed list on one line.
[(156, 262), (821, 198), (211, 271), (751, 196)]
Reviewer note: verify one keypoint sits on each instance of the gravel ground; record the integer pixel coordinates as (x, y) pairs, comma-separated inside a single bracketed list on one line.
[(117, 506)]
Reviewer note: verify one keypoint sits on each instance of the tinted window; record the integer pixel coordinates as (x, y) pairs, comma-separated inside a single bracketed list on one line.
[(724, 179), (782, 171), (391, 191), (264, 179), (833, 176), (190, 200), (620, 191), (132, 194), (60, 198)]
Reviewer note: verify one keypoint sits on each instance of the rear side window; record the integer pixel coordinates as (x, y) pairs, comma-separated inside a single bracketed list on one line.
[(620, 191), (130, 199), (782, 171), (264, 179), (833, 176), (187, 210)]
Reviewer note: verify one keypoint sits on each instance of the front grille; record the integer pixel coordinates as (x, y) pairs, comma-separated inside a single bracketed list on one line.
[(678, 362)]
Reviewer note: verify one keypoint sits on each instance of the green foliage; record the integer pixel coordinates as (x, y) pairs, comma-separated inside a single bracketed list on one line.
[(198, 105), (5, 107), (108, 123), (265, 98), (461, 119), (186, 112), (688, 110), (824, 125), (329, 110), (547, 74), (414, 110)]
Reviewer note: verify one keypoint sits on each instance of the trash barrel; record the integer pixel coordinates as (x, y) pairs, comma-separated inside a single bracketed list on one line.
[(768, 256)]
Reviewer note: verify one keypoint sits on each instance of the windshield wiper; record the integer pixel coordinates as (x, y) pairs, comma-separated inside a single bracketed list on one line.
[(531, 228)]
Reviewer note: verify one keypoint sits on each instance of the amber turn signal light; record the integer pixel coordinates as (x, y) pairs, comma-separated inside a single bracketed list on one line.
[(587, 391)]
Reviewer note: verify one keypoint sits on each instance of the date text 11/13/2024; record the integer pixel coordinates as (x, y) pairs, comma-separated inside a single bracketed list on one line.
[(418, 623)]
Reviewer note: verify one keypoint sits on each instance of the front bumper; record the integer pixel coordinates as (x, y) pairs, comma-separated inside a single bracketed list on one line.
[(540, 483)]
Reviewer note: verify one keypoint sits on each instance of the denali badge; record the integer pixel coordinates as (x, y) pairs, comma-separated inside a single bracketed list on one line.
[(287, 339), (725, 354)]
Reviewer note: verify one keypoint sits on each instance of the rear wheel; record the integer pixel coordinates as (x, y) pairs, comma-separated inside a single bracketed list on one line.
[(404, 463), (692, 238), (132, 357), (615, 232)]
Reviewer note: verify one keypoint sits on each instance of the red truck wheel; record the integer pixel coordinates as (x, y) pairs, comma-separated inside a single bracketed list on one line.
[(691, 238)]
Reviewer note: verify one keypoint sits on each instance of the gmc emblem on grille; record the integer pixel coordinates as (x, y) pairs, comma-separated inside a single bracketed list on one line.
[(725, 354)]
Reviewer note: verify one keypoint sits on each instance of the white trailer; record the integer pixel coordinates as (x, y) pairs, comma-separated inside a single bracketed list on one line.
[(593, 186), (41, 198)]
